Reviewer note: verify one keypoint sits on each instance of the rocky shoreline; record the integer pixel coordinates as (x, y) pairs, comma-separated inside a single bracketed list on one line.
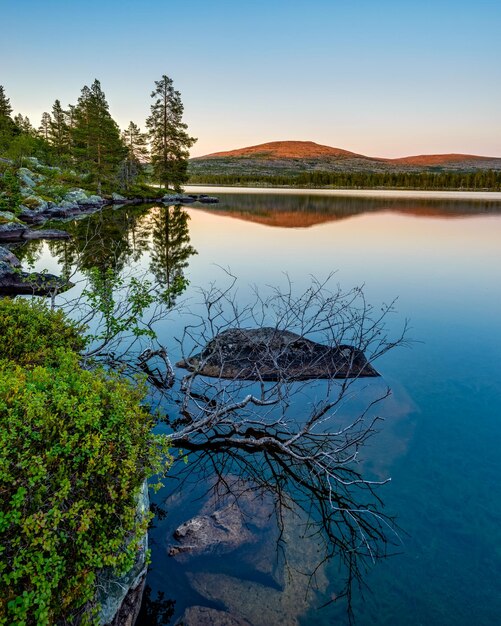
[(35, 210)]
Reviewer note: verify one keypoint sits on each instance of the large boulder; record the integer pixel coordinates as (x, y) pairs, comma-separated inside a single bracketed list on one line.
[(273, 354), (12, 231)]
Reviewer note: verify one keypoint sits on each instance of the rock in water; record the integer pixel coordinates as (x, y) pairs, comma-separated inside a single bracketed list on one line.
[(272, 354), (46, 234), (205, 616), (222, 531)]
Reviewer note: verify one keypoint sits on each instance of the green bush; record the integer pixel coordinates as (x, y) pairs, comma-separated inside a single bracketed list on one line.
[(31, 333), (10, 191), (75, 448)]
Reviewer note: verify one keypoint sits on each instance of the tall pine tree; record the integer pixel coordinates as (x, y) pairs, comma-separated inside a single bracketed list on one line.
[(59, 132), (44, 128), (7, 126), (97, 146), (136, 144), (169, 140)]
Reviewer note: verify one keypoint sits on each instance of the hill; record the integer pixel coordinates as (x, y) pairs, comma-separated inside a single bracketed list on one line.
[(319, 165)]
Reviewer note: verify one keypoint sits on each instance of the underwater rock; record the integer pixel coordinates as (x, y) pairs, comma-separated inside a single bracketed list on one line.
[(205, 616)]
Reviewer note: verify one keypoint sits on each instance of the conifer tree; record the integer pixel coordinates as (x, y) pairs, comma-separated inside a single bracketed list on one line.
[(24, 125), (44, 129), (169, 140), (136, 144), (7, 126), (59, 132), (97, 146)]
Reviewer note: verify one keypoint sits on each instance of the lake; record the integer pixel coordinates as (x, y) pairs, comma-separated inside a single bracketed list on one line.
[(441, 440)]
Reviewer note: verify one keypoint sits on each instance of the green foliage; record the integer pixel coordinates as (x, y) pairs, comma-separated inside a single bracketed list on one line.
[(75, 447), (132, 170), (117, 318), (97, 147), (168, 137), (434, 180), (32, 334), (10, 191)]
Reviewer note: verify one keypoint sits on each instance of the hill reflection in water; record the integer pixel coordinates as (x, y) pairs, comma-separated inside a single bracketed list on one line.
[(303, 211)]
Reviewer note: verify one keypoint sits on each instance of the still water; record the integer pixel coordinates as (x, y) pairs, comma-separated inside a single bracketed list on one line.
[(440, 442)]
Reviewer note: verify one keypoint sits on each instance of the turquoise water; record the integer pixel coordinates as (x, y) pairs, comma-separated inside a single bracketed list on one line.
[(441, 440)]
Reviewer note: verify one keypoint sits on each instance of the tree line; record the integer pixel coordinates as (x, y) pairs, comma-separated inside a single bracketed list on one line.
[(489, 180), (85, 137)]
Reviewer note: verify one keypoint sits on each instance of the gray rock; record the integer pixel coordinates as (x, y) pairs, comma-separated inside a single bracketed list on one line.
[(26, 192), (46, 234), (36, 204), (12, 231), (77, 195), (222, 531), (270, 354), (91, 200), (67, 205), (6, 256), (31, 217), (26, 176), (208, 199), (113, 590), (7, 215), (205, 616), (116, 197), (177, 198)]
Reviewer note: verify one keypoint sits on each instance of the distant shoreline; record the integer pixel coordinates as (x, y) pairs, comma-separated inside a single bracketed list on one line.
[(493, 196)]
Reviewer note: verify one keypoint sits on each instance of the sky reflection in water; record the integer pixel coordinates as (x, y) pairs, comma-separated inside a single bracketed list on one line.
[(442, 438)]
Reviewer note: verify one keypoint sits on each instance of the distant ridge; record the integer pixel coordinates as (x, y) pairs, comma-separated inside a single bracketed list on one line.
[(311, 150), (285, 150)]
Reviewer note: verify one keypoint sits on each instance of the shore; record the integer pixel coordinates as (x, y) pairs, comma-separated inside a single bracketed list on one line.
[(493, 196)]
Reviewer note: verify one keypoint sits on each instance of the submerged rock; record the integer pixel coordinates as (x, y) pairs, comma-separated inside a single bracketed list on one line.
[(205, 616), (222, 531), (272, 354)]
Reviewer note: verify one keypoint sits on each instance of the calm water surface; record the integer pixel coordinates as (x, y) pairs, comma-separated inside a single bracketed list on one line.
[(441, 440)]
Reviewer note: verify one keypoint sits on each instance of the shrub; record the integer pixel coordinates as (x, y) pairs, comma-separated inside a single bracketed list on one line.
[(31, 333), (10, 194), (75, 448)]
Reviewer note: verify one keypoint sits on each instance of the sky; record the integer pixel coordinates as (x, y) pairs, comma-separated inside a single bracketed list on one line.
[(380, 77)]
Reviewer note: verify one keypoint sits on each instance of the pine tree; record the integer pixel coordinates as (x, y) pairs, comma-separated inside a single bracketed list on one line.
[(97, 146), (24, 125), (59, 131), (136, 144), (169, 140), (7, 126), (44, 129)]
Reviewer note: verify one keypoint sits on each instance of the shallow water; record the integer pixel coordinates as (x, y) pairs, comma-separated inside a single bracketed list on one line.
[(441, 439)]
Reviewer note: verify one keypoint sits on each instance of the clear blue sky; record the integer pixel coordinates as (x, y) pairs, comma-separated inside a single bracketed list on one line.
[(380, 77)]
